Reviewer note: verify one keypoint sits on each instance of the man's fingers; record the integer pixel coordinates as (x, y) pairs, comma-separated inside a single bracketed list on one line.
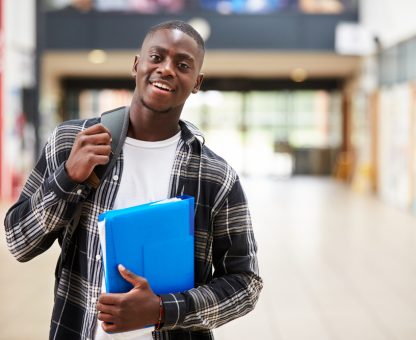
[(106, 308), (96, 139), (110, 299), (98, 160), (127, 275), (105, 317), (100, 138), (103, 150), (97, 128), (108, 327), (91, 147)]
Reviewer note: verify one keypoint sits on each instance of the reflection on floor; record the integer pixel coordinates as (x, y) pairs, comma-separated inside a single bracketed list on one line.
[(335, 266)]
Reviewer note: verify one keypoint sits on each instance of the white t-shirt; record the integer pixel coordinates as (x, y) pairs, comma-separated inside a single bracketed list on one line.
[(146, 175)]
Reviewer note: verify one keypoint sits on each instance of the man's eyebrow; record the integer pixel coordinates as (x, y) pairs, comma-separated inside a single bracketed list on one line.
[(181, 56), (185, 56), (158, 48)]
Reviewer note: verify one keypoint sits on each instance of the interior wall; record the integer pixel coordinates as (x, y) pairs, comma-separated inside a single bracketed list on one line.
[(390, 20), (18, 49)]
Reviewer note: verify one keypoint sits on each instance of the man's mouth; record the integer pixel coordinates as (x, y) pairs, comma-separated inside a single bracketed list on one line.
[(162, 86)]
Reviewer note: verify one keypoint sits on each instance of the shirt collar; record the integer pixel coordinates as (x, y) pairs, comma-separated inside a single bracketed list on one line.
[(191, 133)]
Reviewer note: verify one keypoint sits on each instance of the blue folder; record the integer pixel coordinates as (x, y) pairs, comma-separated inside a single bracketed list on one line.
[(153, 240)]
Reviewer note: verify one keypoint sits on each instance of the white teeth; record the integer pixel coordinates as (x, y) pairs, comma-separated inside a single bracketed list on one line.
[(162, 86)]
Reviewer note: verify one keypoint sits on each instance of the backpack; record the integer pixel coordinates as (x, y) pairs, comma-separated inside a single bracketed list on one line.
[(117, 121)]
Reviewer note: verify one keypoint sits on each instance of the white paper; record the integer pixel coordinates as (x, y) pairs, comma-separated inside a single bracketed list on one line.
[(101, 234), (173, 199)]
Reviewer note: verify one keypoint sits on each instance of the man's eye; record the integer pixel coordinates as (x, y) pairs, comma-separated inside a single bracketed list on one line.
[(183, 66), (155, 57)]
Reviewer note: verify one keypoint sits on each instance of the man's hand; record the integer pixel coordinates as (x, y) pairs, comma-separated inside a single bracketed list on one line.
[(133, 310), (91, 147)]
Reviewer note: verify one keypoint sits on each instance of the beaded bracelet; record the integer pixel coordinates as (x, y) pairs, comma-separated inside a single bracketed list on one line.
[(159, 321)]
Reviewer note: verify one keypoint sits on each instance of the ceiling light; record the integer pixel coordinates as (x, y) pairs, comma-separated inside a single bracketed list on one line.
[(97, 56), (299, 75), (202, 26)]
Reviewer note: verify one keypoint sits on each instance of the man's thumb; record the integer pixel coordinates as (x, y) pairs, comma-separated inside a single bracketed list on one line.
[(127, 275)]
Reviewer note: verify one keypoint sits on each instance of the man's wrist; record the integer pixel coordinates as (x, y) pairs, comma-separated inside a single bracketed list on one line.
[(174, 309), (161, 317), (64, 187)]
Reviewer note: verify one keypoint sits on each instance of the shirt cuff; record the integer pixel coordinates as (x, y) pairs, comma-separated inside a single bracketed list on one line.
[(65, 188), (175, 307)]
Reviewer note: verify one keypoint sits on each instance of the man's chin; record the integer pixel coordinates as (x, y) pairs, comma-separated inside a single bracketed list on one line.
[(156, 109)]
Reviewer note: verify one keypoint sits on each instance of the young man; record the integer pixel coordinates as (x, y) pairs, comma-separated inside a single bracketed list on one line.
[(161, 158)]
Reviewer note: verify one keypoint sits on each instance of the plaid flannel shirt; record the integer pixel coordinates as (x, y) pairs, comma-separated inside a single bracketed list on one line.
[(227, 284)]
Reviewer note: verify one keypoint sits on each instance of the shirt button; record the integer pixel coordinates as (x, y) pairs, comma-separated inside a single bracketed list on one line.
[(115, 177), (79, 191), (94, 300), (98, 257)]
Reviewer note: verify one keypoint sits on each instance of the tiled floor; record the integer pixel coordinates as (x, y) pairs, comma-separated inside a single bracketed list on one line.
[(335, 266)]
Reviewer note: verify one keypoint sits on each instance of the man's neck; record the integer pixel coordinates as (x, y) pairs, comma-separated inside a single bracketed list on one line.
[(152, 126)]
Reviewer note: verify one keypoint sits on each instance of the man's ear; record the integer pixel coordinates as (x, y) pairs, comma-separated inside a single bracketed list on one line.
[(134, 68), (198, 83)]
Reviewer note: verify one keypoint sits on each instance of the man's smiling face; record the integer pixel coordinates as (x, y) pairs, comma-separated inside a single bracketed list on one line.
[(168, 70)]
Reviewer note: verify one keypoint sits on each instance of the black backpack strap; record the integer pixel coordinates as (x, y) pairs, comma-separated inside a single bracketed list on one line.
[(117, 121)]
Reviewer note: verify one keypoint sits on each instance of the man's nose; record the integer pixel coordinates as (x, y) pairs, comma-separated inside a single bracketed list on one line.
[(167, 68)]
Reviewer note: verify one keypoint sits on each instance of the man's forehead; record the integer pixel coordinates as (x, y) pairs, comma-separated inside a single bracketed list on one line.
[(170, 36)]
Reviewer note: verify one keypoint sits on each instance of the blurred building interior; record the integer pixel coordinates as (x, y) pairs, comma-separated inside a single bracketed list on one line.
[(303, 87), (312, 101)]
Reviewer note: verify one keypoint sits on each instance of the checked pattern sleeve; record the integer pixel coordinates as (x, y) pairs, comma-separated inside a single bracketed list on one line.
[(235, 287), (47, 202)]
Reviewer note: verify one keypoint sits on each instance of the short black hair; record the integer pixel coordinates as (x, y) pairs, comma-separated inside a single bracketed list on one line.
[(181, 26)]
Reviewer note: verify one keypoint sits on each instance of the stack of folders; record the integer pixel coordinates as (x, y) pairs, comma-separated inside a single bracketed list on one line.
[(153, 240)]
